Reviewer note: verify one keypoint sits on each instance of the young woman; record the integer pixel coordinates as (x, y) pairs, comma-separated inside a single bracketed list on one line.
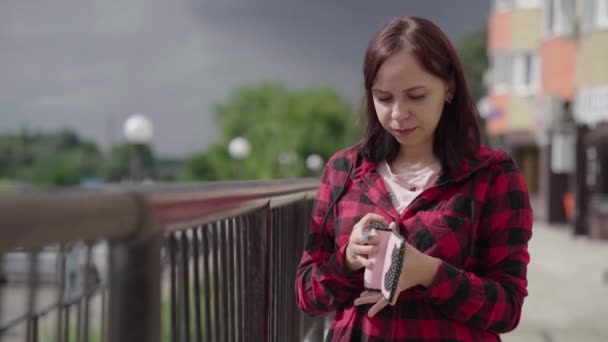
[(462, 208)]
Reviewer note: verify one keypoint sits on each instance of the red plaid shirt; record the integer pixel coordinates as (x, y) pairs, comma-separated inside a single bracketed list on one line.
[(478, 221)]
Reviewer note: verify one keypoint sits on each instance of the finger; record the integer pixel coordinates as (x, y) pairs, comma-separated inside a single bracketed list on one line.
[(369, 299), (366, 233), (363, 249), (363, 261), (368, 218), (377, 307), (368, 293), (362, 240), (372, 240)]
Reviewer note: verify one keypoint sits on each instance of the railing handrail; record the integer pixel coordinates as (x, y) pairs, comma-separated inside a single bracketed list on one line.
[(33, 220)]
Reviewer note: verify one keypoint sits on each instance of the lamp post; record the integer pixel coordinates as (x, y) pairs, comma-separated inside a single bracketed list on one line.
[(139, 132), (239, 149)]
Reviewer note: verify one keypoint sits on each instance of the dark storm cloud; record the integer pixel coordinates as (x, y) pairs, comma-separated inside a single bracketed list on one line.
[(88, 65)]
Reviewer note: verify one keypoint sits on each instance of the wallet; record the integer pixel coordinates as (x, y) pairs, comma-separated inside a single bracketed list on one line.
[(383, 276)]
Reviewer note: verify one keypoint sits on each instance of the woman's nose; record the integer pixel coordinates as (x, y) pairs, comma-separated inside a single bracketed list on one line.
[(400, 111)]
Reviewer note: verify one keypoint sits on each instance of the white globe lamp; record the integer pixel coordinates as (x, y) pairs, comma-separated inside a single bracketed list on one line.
[(239, 148), (314, 162), (138, 129)]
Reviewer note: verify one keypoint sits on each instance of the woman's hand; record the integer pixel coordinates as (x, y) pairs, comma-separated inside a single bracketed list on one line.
[(418, 269), (360, 244)]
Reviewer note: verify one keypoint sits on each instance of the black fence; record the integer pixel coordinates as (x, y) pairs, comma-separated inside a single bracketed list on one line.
[(186, 262)]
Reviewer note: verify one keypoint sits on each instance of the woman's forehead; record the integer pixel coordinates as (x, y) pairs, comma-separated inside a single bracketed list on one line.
[(403, 70)]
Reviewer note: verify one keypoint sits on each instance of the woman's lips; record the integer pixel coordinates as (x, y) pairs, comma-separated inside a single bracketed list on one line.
[(405, 132)]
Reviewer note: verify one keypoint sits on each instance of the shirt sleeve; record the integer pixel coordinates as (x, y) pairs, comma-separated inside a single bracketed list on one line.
[(323, 281), (492, 299)]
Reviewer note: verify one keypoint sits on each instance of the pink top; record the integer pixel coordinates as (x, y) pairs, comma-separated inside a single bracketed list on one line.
[(406, 186)]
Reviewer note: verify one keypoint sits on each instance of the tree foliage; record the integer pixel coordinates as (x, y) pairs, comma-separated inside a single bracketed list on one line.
[(277, 122), (473, 53), (47, 160), (65, 159)]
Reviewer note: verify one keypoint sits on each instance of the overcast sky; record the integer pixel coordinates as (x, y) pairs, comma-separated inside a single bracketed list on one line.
[(88, 65)]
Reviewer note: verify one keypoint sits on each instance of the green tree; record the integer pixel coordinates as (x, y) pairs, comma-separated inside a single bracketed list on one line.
[(277, 121), (47, 160), (473, 53)]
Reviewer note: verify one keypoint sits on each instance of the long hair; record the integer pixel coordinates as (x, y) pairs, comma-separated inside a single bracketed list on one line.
[(457, 135)]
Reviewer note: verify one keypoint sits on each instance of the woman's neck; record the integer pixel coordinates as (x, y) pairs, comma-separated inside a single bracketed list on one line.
[(414, 158)]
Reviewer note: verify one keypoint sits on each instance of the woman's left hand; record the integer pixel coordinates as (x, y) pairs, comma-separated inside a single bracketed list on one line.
[(418, 269)]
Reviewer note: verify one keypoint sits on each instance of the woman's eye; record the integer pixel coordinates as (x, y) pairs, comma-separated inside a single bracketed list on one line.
[(384, 99), (417, 97)]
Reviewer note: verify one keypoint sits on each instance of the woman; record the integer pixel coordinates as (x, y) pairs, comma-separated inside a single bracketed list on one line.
[(462, 208)]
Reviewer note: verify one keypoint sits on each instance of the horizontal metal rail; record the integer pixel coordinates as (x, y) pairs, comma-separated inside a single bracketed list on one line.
[(185, 262), (119, 212)]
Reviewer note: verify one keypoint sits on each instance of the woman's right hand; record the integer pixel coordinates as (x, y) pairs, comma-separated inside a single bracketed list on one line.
[(361, 245)]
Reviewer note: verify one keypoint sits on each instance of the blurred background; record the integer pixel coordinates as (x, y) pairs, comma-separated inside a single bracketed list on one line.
[(285, 76), (108, 92)]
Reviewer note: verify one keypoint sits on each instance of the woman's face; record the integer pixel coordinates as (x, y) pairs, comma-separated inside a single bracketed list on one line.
[(408, 100)]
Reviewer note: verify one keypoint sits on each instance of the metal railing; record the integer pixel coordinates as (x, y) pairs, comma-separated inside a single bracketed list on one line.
[(184, 262)]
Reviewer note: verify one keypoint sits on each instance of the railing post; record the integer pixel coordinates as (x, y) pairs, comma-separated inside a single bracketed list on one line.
[(258, 277), (33, 280), (135, 290)]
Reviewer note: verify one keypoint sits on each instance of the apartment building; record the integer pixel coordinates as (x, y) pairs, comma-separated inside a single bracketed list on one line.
[(514, 35), (547, 101), (591, 116)]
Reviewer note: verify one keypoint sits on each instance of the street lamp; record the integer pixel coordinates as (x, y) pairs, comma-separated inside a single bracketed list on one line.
[(239, 149), (139, 132), (314, 162)]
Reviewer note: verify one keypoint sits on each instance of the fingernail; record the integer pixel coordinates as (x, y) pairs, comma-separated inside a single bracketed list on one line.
[(366, 233)]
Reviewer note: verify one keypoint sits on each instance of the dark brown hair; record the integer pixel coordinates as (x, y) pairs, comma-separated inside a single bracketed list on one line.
[(457, 135)]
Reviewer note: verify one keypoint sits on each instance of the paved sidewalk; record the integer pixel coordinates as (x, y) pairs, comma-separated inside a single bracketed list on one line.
[(568, 289)]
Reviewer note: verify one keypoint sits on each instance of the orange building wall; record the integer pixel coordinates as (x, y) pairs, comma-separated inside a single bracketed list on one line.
[(499, 38), (499, 31), (558, 64)]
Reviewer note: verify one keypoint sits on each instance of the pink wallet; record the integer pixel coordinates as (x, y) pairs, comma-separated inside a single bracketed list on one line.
[(387, 261)]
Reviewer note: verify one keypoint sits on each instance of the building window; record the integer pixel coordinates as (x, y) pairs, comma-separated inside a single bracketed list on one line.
[(525, 74), (595, 14), (501, 66), (502, 5), (592, 167), (588, 17), (559, 17), (526, 4), (592, 105), (602, 14)]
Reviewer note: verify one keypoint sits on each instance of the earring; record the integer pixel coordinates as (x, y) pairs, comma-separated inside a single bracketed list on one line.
[(448, 98)]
